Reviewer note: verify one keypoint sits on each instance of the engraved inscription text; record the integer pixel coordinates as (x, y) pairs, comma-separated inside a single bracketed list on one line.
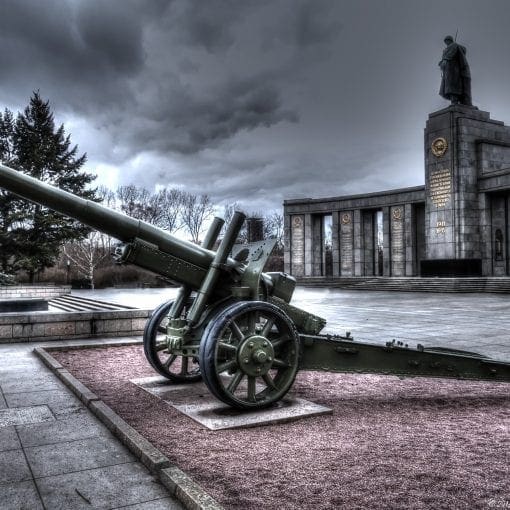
[(440, 182)]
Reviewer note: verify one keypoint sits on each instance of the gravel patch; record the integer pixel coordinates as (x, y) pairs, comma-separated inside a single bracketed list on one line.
[(390, 443)]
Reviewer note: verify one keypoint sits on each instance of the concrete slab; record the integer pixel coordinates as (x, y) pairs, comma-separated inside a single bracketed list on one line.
[(20, 382), (158, 504), (20, 495), (107, 487), (29, 366), (60, 431), (195, 401), (60, 458), (62, 403), (8, 440), (13, 467), (25, 415)]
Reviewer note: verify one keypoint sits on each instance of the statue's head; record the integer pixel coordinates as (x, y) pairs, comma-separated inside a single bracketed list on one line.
[(448, 39)]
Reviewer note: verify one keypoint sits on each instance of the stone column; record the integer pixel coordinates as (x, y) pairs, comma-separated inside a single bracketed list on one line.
[(347, 259), (484, 204), (410, 236), (386, 242), (308, 245), (368, 242), (297, 248), (358, 252), (397, 240), (287, 243), (335, 243), (317, 245)]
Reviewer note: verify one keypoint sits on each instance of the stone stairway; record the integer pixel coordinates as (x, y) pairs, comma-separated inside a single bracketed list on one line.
[(500, 285), (68, 303)]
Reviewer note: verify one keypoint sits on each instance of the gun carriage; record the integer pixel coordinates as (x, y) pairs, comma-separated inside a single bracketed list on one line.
[(232, 324)]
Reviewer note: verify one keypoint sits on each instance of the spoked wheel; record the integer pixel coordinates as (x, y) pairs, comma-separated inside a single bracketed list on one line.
[(249, 354), (173, 367)]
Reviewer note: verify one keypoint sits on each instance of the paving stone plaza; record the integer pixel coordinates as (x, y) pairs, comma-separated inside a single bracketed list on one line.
[(55, 454)]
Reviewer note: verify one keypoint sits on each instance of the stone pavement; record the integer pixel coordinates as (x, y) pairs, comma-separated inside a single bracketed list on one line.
[(476, 322), (54, 454)]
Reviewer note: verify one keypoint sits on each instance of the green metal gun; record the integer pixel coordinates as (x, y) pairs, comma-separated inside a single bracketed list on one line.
[(232, 324)]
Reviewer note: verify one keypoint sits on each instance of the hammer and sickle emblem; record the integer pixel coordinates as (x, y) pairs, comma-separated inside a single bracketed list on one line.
[(439, 147)]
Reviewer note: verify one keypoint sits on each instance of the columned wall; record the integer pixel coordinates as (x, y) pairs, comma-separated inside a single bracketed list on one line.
[(458, 224), (372, 235)]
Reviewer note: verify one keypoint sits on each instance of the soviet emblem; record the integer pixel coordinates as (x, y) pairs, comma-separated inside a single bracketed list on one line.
[(439, 147), (346, 218), (297, 221), (397, 213)]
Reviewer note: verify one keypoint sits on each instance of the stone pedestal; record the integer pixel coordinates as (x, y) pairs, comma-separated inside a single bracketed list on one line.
[(452, 216)]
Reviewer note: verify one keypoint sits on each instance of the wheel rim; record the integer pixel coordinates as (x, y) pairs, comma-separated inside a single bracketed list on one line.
[(171, 366), (249, 355)]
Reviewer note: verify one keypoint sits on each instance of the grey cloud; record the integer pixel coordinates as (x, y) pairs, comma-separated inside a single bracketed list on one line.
[(188, 124), (207, 25), (110, 36), (315, 23)]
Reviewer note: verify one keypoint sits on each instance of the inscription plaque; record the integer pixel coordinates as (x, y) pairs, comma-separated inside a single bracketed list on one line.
[(346, 245), (398, 252), (440, 186), (298, 244)]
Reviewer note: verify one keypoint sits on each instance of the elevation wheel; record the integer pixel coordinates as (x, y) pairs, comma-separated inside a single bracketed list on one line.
[(249, 354), (176, 368)]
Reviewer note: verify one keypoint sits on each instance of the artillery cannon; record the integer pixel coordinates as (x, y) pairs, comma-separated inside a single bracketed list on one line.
[(232, 324)]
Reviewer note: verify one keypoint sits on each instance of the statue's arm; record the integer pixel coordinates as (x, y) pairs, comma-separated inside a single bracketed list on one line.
[(450, 52)]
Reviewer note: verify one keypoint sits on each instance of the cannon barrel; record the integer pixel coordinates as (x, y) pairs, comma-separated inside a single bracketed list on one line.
[(118, 225)]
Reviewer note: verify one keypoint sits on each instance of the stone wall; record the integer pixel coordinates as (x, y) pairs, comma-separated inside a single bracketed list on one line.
[(40, 291), (38, 326)]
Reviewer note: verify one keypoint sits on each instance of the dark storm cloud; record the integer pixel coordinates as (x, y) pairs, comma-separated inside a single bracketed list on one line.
[(194, 123), (97, 60), (205, 25), (80, 52)]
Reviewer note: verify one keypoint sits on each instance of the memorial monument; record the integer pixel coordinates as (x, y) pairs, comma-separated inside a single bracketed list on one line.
[(457, 224)]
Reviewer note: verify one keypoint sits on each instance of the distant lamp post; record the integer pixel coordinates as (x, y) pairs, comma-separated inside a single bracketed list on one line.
[(68, 268)]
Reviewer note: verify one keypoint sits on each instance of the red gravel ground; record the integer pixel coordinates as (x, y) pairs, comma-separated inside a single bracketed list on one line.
[(390, 443)]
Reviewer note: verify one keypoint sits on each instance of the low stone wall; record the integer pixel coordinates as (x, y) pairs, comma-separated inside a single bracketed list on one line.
[(36, 326), (40, 291)]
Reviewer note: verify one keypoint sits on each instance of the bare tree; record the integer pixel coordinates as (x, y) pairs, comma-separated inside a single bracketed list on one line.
[(106, 196), (162, 208), (195, 211), (228, 213), (273, 228), (138, 203), (170, 201), (87, 254)]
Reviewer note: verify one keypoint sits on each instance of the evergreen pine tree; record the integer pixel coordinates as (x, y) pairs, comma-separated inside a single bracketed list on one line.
[(8, 203), (44, 152)]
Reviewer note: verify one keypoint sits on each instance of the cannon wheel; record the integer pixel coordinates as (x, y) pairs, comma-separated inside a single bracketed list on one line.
[(176, 368), (249, 354)]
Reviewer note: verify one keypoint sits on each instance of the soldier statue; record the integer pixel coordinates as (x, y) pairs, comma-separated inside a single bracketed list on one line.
[(456, 77)]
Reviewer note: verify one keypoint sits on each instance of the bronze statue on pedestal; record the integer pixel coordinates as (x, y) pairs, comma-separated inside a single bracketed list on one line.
[(456, 77)]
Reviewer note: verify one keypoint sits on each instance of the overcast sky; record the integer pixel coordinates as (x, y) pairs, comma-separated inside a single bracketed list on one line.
[(250, 101)]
